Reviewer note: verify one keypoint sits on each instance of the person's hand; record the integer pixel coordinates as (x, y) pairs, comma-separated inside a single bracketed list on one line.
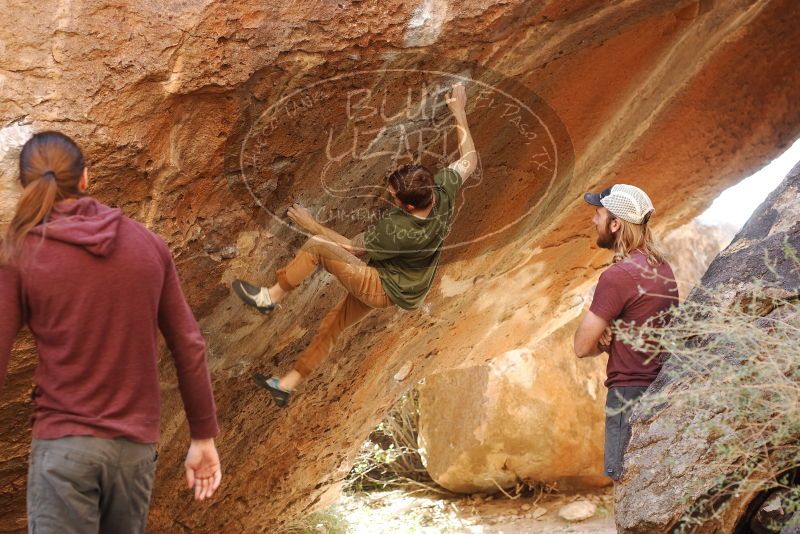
[(302, 217), (203, 471), (605, 339), (357, 246), (457, 99), (353, 249)]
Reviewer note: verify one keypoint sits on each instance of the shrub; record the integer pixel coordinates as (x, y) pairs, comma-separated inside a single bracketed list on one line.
[(390, 458)]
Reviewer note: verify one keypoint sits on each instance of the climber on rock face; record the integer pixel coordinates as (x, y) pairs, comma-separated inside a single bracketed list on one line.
[(401, 249), (638, 288), (95, 288)]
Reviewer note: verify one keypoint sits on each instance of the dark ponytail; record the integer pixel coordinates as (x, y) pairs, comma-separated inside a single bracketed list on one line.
[(50, 169)]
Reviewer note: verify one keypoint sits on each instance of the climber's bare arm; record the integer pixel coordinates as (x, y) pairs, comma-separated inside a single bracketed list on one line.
[(303, 218), (468, 162), (357, 245), (592, 337)]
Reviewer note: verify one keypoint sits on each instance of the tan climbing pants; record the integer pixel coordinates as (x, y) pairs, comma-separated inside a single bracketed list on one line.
[(364, 292)]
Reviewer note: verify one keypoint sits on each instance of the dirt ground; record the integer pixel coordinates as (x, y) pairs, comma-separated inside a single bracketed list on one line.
[(399, 512)]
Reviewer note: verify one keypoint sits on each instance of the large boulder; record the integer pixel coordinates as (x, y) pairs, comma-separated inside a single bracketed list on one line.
[(204, 120), (535, 413), (530, 414), (672, 462)]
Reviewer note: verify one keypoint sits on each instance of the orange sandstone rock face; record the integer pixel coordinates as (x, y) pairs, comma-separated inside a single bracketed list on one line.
[(682, 98)]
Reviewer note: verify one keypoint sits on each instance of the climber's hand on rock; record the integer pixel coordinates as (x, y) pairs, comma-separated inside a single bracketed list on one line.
[(203, 470), (605, 339), (457, 99), (302, 217)]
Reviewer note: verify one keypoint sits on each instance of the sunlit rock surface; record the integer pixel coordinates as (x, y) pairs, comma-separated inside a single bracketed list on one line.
[(530, 414)]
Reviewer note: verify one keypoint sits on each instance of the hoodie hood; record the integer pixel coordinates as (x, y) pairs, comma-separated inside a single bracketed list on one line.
[(84, 223)]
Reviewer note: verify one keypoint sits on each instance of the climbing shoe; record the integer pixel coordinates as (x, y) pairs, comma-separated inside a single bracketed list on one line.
[(281, 396), (257, 297)]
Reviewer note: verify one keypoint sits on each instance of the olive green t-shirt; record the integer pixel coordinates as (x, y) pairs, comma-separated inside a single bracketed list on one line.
[(406, 249)]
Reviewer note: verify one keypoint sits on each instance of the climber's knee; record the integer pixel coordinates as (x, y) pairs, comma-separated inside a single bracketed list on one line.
[(314, 242)]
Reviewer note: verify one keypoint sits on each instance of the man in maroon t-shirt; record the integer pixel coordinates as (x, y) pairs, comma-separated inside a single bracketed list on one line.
[(638, 288)]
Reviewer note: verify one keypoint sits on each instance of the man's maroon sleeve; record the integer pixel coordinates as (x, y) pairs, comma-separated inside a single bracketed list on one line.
[(614, 290), (10, 315), (188, 348)]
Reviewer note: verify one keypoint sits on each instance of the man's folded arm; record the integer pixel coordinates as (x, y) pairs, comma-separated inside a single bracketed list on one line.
[(588, 334)]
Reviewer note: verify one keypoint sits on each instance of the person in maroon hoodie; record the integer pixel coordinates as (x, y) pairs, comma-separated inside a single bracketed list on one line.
[(94, 287)]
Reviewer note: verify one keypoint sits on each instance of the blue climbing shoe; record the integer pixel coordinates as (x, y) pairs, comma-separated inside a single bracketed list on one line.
[(281, 396)]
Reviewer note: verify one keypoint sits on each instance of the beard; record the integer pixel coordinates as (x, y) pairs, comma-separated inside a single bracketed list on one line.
[(605, 238)]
